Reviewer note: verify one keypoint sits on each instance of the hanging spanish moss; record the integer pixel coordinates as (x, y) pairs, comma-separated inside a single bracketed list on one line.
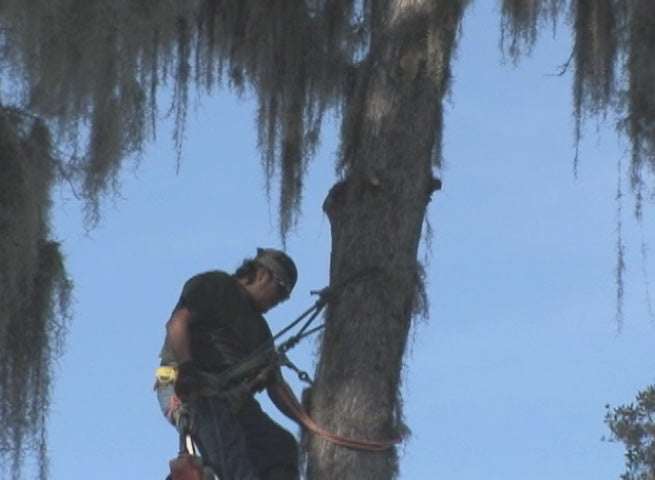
[(639, 112), (594, 53), (93, 70), (522, 22), (35, 291), (613, 58)]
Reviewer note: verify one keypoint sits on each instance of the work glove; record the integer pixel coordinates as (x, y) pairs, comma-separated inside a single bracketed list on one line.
[(189, 380)]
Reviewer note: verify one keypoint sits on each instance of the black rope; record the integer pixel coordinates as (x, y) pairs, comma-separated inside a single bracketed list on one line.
[(325, 295), (316, 308)]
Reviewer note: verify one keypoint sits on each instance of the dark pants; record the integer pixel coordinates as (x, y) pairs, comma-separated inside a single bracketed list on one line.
[(246, 446), (238, 446)]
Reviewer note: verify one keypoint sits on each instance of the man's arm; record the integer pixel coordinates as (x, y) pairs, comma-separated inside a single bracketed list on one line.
[(177, 332), (283, 397), (179, 340)]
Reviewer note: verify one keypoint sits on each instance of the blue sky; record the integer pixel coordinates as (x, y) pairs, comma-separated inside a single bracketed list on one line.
[(508, 377)]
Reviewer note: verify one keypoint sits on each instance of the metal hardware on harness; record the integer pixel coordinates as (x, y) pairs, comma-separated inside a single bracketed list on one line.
[(303, 376)]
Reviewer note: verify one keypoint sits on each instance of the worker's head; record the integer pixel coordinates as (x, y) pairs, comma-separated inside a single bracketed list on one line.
[(269, 277)]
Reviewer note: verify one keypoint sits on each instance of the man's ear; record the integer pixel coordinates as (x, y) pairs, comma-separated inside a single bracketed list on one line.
[(261, 275)]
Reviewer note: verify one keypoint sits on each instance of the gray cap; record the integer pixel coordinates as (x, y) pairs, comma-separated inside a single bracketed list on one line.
[(280, 264)]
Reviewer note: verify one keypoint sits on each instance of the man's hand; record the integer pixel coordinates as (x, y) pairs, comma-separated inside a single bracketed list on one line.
[(189, 380)]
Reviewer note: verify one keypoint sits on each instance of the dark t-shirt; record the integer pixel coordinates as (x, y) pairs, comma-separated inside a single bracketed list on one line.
[(225, 327)]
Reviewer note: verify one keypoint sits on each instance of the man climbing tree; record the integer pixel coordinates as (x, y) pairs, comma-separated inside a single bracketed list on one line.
[(216, 325)]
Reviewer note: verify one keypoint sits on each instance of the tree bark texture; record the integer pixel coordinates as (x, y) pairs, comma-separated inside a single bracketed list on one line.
[(391, 134)]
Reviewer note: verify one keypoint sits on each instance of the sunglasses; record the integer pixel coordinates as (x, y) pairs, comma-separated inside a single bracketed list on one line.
[(282, 289)]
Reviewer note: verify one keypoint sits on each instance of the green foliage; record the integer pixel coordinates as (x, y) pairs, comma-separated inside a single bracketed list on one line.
[(634, 425)]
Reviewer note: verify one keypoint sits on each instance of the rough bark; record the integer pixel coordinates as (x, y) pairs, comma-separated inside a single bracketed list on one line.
[(391, 134)]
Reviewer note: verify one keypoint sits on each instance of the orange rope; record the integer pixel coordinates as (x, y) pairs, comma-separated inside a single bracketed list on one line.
[(359, 444)]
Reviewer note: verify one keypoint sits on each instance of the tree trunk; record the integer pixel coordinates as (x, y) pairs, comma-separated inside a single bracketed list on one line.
[(376, 215)]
